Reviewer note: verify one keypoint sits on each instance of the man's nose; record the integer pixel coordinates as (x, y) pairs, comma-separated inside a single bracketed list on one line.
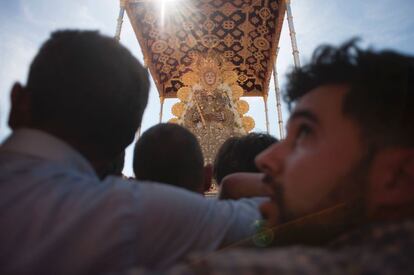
[(270, 161)]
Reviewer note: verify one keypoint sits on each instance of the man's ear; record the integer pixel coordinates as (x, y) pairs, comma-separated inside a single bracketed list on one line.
[(392, 181), (208, 173), (20, 111)]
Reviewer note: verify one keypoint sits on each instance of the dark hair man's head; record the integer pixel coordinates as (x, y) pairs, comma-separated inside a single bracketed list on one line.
[(115, 167), (237, 154), (86, 89), (350, 135), (171, 154)]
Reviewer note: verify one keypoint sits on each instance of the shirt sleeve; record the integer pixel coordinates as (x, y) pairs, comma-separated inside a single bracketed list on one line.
[(172, 222)]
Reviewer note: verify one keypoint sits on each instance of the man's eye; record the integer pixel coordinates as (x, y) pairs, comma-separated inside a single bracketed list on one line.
[(303, 131)]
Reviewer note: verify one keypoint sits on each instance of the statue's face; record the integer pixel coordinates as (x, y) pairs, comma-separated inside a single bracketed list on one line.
[(210, 78)]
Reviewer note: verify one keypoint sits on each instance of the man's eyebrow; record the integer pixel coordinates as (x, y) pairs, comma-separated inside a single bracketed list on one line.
[(304, 114)]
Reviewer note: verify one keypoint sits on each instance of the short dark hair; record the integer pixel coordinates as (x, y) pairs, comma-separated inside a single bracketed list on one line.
[(237, 154), (381, 89), (113, 168), (171, 154), (91, 87)]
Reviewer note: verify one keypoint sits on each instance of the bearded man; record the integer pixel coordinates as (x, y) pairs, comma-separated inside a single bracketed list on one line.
[(350, 139)]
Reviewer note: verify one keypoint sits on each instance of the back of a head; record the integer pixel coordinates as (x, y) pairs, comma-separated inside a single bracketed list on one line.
[(237, 154), (89, 88), (114, 168), (171, 154)]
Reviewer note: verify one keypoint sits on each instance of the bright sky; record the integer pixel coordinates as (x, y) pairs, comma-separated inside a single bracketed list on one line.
[(25, 24)]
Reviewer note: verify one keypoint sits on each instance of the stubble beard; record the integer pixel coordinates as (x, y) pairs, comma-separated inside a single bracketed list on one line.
[(350, 189)]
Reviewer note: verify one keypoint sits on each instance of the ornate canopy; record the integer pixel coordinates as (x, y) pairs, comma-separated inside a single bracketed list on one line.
[(172, 33)]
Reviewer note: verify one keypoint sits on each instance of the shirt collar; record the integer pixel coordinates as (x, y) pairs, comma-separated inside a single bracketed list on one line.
[(43, 145)]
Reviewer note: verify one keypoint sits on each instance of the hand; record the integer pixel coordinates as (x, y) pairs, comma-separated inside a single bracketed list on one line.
[(244, 185), (270, 213)]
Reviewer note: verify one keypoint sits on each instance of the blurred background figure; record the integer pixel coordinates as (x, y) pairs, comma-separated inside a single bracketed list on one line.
[(171, 154), (114, 168), (237, 154)]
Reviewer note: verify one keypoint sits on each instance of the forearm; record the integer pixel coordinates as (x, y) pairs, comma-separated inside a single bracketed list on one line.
[(243, 185)]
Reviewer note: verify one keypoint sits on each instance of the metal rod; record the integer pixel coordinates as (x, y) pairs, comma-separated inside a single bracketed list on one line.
[(119, 23), (292, 33), (161, 107), (266, 113), (278, 101)]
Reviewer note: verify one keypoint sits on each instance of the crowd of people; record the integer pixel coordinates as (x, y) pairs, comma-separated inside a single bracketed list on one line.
[(65, 207)]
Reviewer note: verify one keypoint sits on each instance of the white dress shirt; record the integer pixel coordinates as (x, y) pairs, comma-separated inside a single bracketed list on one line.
[(58, 217)]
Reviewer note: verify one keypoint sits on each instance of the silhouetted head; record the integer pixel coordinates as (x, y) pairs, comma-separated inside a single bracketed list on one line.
[(237, 154), (114, 168), (86, 89), (171, 154)]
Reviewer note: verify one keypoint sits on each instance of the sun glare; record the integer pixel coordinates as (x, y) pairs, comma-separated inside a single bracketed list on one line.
[(172, 10)]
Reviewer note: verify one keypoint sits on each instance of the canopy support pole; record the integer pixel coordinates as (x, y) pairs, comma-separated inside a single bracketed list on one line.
[(120, 19), (161, 107), (292, 34), (266, 113), (278, 101)]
